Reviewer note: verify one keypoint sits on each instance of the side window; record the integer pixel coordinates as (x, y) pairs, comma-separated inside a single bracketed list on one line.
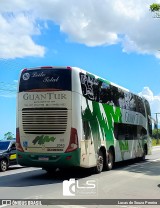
[(99, 91), (110, 94), (140, 105), (105, 93), (90, 87), (128, 135), (132, 102), (128, 132), (116, 94), (127, 100), (119, 131)]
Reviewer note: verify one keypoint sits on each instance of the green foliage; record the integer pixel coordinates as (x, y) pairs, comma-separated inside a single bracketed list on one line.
[(155, 7), (155, 135), (42, 139), (8, 136), (154, 142)]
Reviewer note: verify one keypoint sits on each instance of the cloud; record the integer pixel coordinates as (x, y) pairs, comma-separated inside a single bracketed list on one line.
[(8, 90), (154, 100), (89, 22), (105, 22), (16, 37)]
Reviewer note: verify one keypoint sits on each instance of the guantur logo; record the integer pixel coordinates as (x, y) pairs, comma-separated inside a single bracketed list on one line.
[(43, 139)]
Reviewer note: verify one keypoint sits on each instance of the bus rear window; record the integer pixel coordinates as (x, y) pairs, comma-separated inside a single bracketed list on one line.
[(37, 79)]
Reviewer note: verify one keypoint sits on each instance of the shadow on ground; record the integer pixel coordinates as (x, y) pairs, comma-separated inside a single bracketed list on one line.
[(41, 177)]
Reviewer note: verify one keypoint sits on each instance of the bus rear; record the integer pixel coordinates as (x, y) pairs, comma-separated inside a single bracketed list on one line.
[(45, 137)]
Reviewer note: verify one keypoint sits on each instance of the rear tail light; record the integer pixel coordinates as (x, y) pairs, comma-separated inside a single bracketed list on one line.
[(24, 70), (18, 144), (68, 67), (73, 143)]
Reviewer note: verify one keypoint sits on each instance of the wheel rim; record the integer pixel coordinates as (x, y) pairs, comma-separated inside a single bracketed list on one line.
[(3, 165), (100, 163)]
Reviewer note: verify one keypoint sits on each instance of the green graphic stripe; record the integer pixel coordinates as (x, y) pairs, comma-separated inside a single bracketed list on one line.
[(101, 123)]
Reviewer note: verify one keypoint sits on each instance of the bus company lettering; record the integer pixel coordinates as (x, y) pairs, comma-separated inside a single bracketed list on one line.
[(134, 118), (36, 74), (131, 118), (46, 96), (50, 79)]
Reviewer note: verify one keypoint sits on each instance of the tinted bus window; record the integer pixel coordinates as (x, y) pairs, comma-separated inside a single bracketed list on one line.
[(59, 79), (90, 87), (140, 105), (96, 90), (128, 131), (148, 112)]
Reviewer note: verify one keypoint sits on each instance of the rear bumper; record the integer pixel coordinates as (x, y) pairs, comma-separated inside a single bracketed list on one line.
[(48, 160)]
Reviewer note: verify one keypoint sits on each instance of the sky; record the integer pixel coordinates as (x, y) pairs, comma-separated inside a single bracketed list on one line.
[(117, 40)]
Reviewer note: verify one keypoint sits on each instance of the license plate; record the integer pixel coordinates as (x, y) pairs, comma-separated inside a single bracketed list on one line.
[(43, 158)]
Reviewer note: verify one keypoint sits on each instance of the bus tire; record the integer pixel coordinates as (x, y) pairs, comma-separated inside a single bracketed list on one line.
[(144, 153), (109, 160), (100, 162)]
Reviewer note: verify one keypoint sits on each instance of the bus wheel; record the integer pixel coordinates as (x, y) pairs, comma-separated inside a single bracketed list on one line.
[(144, 153), (100, 161), (3, 165), (109, 160)]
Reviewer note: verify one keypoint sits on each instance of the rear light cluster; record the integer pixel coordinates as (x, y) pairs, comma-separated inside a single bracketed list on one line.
[(68, 67), (73, 143), (24, 70), (18, 144)]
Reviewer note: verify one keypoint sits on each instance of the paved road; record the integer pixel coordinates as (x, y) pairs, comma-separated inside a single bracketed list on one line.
[(131, 180)]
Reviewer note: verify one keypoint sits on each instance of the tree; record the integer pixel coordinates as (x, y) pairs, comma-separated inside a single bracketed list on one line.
[(155, 133), (8, 136), (155, 8)]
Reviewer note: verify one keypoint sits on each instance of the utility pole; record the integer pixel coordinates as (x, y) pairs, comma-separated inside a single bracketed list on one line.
[(157, 126)]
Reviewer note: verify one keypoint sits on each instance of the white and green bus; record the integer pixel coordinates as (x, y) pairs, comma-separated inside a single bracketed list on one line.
[(67, 117)]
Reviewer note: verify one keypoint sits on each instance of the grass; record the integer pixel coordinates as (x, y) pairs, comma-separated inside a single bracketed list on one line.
[(154, 142)]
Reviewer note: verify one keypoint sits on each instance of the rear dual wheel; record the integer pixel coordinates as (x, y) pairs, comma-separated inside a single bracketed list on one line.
[(109, 160), (144, 153), (100, 163), (104, 161)]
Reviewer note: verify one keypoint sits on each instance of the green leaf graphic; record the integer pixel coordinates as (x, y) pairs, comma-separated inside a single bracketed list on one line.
[(35, 140), (43, 139)]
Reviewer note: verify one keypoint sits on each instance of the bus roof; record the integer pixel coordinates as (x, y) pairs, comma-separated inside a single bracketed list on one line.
[(79, 70), (116, 85)]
